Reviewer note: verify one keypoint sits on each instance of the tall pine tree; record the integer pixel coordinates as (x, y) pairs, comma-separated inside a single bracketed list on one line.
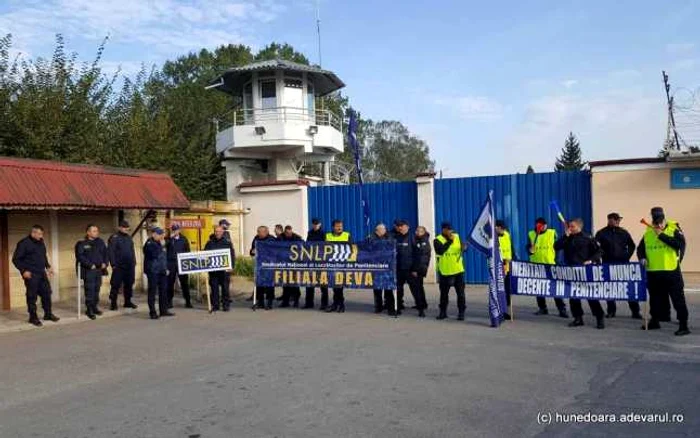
[(570, 158)]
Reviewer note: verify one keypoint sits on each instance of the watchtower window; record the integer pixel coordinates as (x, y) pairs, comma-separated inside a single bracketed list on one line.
[(268, 94)]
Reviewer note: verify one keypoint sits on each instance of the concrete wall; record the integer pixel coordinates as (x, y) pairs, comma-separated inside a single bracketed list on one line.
[(632, 191)]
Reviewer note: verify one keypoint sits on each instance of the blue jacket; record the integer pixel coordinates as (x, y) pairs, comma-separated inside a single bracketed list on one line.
[(155, 260), (121, 251)]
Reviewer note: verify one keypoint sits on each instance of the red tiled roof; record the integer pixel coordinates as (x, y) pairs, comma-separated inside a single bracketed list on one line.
[(35, 183)]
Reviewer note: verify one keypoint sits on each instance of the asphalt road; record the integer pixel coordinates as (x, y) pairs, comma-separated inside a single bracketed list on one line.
[(301, 373)]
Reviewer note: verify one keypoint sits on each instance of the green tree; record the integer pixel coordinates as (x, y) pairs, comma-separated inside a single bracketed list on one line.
[(570, 158)]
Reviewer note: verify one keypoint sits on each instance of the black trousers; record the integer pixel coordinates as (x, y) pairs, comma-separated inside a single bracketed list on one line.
[(184, 284), (402, 278), (292, 293), (338, 296), (310, 291), (383, 298), (38, 286), (418, 291), (219, 284), (264, 293), (542, 303), (157, 286), (662, 285), (92, 280), (122, 277), (577, 309), (634, 307), (447, 282)]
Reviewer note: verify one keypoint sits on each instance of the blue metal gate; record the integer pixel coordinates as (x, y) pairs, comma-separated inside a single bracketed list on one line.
[(388, 201), (519, 200)]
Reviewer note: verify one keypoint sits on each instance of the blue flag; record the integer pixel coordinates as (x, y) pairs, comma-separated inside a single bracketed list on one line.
[(483, 238), (355, 145)]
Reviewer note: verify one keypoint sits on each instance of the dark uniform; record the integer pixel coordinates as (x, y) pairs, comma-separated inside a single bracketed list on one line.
[(663, 254), (219, 281), (580, 248), (292, 293), (177, 245), (155, 266), (30, 256), (316, 236), (122, 257), (617, 246), (404, 261), (265, 294), (91, 254), (388, 298), (421, 261)]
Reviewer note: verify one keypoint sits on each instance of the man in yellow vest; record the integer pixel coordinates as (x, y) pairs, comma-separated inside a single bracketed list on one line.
[(661, 250), (338, 235), (505, 246), (540, 247), (448, 250)]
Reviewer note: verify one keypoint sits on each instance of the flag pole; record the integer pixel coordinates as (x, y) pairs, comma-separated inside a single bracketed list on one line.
[(646, 314)]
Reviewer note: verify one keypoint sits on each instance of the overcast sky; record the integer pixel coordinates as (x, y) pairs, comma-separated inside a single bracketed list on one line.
[(492, 86)]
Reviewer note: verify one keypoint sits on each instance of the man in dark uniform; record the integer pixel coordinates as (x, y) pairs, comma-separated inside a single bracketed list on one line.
[(580, 249), (617, 246), (419, 268), (404, 258), (265, 294), (316, 234), (155, 266), (122, 257), (338, 235), (91, 254), (292, 293), (219, 281), (177, 244), (381, 234), (31, 261), (661, 250)]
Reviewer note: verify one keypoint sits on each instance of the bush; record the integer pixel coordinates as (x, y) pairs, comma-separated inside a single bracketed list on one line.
[(245, 267)]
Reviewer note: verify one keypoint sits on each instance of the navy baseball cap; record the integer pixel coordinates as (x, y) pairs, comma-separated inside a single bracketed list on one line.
[(175, 227), (124, 224), (315, 221), (501, 223), (157, 230), (224, 223), (446, 225)]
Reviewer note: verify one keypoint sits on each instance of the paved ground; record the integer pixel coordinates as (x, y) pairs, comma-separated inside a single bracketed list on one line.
[(295, 373)]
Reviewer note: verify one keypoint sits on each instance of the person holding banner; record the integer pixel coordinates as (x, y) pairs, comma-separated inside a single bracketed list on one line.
[(292, 293), (581, 249), (219, 281), (661, 250), (383, 298), (617, 246), (316, 234), (338, 235), (540, 246), (419, 268), (505, 246), (91, 254), (450, 266), (155, 266), (265, 295)]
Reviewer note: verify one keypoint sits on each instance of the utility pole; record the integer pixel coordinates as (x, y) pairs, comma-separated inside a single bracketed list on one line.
[(318, 32), (669, 99)]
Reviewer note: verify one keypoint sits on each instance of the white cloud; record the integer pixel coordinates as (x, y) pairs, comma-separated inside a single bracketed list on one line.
[(615, 124), (569, 83), (164, 26), (679, 48), (473, 107)]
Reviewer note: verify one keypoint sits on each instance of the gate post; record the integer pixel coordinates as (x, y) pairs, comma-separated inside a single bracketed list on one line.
[(425, 184)]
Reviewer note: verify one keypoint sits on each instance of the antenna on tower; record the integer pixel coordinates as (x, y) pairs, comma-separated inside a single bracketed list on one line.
[(671, 119), (318, 32)]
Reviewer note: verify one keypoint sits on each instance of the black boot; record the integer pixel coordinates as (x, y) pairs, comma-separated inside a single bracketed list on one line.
[(600, 322), (188, 304), (577, 322), (341, 308), (268, 306), (682, 330), (421, 313), (506, 317), (542, 312), (442, 315), (51, 317), (460, 316), (653, 325), (166, 313), (130, 305), (34, 320), (562, 313), (90, 313), (333, 308), (113, 305), (96, 310), (153, 315)]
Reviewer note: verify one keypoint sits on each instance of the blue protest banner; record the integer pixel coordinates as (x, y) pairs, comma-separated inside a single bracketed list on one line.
[(616, 282), (366, 265)]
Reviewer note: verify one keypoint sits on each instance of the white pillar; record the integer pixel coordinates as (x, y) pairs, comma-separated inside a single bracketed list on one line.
[(426, 213)]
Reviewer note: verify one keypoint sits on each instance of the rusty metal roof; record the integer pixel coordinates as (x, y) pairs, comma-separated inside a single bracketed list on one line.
[(50, 184)]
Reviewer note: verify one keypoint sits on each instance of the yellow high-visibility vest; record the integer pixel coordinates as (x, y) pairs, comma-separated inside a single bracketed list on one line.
[(342, 237), (544, 247), (505, 246), (660, 257), (450, 262)]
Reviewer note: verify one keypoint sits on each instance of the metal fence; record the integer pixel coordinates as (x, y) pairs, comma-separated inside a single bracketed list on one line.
[(388, 201), (519, 200)]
